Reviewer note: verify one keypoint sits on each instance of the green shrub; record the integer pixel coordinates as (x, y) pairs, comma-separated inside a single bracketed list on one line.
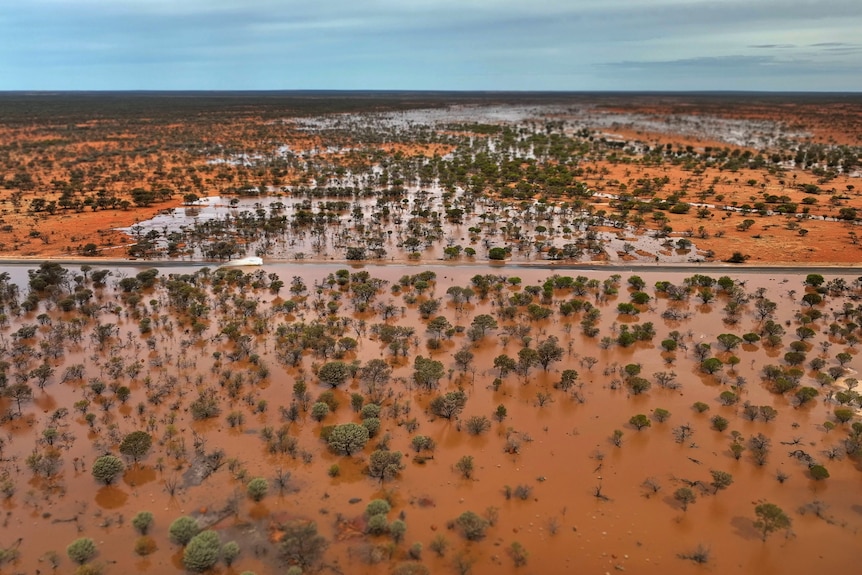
[(106, 468), (348, 438), (372, 424), (319, 411), (257, 488), (81, 550), (397, 529), (369, 410), (377, 507), (229, 552), (183, 529), (378, 524), (202, 552), (472, 526), (142, 522)]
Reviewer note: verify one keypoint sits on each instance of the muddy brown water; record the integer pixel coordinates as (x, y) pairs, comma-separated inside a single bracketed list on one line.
[(565, 454)]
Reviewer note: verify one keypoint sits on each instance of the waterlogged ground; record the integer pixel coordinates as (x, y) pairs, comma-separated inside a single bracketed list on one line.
[(563, 472), (427, 177)]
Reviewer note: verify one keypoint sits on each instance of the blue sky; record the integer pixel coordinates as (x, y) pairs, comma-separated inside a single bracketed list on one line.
[(796, 45)]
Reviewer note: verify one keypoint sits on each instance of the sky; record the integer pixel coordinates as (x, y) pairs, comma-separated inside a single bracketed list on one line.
[(522, 45)]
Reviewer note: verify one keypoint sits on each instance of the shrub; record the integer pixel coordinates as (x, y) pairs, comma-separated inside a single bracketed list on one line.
[(439, 545), (422, 442), (319, 411), (257, 488), (369, 410), (377, 507), (478, 424), (229, 552), (372, 424), (378, 524), (142, 522), (106, 468), (202, 552), (465, 466), (144, 546), (518, 554), (472, 526), (183, 529), (818, 472), (81, 550)]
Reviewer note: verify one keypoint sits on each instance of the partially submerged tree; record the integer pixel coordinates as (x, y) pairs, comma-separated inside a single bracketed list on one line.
[(348, 438), (770, 517), (301, 545)]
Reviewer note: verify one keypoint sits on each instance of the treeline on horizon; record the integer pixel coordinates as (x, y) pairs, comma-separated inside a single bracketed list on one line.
[(21, 107)]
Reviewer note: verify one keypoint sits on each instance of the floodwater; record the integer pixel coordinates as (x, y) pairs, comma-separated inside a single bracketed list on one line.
[(565, 449)]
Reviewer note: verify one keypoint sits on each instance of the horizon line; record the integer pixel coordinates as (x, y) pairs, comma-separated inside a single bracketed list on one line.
[(49, 92)]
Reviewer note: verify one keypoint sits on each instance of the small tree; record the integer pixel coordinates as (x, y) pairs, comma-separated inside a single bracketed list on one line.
[(384, 464), (711, 365), (770, 517), (334, 373), (685, 496), (301, 545), (202, 552), (449, 404), (660, 414), (639, 421), (136, 445), (348, 438), (81, 550), (106, 468), (720, 480)]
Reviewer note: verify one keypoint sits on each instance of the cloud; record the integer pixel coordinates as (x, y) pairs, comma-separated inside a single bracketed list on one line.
[(447, 44), (704, 63)]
